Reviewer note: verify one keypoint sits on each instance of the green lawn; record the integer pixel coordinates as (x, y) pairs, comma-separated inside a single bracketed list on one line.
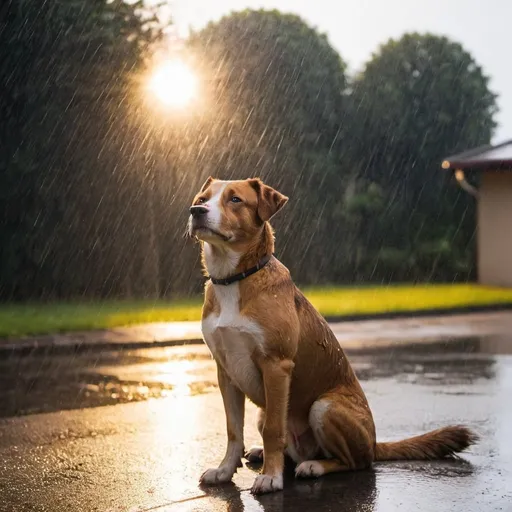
[(353, 301), (21, 320)]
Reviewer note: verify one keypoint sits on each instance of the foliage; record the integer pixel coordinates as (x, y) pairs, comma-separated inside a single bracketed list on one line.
[(417, 100), (279, 115), (65, 69), (94, 188)]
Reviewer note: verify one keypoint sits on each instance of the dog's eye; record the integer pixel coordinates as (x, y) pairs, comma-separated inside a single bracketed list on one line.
[(236, 199), (201, 200)]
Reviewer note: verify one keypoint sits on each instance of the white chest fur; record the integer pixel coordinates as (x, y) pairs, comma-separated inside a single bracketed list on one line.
[(232, 339)]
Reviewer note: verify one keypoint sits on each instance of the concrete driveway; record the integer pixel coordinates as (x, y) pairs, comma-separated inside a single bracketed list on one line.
[(133, 430)]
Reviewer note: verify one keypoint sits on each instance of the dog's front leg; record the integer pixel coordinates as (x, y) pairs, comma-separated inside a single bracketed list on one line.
[(234, 404), (276, 378)]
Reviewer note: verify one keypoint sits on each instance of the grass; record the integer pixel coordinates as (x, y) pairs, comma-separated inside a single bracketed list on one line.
[(363, 301), (26, 319), (33, 318)]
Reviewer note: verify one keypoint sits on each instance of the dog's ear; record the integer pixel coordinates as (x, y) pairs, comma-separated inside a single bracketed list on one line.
[(270, 201), (207, 183)]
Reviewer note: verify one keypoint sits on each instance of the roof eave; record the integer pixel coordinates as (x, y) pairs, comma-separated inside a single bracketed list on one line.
[(474, 159), (477, 165)]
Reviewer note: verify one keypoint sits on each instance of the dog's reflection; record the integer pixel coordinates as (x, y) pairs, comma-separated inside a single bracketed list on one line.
[(354, 491)]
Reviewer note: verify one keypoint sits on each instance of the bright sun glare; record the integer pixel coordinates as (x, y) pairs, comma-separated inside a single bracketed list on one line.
[(174, 83)]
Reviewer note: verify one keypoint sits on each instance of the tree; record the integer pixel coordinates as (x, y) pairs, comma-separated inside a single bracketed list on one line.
[(418, 99), (277, 92), (66, 70)]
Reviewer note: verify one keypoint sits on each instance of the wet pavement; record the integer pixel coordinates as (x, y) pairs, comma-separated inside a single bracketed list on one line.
[(133, 430)]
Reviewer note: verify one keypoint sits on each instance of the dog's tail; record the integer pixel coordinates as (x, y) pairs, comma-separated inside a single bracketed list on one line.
[(444, 442)]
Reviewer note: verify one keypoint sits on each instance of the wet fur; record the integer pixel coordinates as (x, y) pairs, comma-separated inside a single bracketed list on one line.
[(312, 405)]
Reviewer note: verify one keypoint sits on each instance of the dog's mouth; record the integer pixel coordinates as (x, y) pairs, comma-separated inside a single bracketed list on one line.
[(197, 231)]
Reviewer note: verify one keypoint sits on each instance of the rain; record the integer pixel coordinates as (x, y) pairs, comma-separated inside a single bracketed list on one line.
[(114, 115)]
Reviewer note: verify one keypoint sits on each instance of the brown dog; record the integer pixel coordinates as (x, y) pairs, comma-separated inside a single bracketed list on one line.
[(272, 346)]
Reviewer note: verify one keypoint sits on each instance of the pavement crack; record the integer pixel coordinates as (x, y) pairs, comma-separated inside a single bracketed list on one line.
[(184, 500), (171, 503)]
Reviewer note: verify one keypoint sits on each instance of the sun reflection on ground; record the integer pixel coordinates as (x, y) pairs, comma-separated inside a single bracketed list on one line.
[(179, 377)]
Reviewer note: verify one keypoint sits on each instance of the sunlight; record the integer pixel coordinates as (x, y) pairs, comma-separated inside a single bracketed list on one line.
[(174, 83)]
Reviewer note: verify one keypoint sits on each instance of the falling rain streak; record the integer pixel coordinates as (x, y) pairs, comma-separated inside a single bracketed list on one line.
[(97, 168)]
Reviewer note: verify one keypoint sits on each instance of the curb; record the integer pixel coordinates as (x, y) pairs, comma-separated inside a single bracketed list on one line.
[(422, 313), (34, 347), (49, 345)]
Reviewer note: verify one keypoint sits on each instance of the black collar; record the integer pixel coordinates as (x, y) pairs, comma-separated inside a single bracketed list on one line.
[(242, 275)]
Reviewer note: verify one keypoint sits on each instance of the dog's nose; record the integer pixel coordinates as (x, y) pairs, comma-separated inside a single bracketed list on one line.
[(198, 210)]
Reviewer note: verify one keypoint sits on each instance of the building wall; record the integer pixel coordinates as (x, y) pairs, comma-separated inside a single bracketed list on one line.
[(495, 229)]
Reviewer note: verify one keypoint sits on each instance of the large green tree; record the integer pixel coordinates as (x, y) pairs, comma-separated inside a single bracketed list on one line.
[(276, 111), (67, 196), (94, 188), (418, 99)]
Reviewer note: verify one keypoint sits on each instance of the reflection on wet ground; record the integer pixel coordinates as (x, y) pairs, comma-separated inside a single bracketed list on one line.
[(35, 383), (38, 383), (147, 455), (356, 491)]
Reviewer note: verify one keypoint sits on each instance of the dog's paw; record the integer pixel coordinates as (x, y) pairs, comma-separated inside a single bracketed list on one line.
[(266, 483), (309, 469), (218, 475), (255, 454)]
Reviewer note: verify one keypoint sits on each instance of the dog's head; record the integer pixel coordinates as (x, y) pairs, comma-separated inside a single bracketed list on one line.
[(226, 212)]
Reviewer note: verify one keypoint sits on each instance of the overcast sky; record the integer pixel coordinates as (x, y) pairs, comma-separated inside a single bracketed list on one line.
[(356, 28)]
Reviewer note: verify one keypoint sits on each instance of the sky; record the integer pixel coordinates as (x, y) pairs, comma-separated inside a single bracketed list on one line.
[(357, 27)]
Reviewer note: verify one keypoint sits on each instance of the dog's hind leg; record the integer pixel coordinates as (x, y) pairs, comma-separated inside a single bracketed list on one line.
[(344, 430), (255, 453)]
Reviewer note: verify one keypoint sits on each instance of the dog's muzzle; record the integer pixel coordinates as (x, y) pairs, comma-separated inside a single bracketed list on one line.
[(198, 211)]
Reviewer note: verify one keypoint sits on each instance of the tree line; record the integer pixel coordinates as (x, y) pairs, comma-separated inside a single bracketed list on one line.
[(95, 187)]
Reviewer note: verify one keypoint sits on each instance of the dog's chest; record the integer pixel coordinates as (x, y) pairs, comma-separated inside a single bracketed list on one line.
[(232, 340)]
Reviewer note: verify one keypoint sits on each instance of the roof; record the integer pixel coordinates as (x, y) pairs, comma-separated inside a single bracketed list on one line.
[(482, 158)]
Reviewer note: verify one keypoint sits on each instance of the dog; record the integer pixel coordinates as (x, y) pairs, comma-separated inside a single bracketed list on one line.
[(272, 346)]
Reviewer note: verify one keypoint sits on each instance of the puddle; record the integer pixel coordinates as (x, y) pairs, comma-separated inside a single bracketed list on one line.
[(32, 384)]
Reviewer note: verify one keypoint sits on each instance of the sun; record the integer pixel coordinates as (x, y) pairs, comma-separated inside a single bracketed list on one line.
[(174, 83)]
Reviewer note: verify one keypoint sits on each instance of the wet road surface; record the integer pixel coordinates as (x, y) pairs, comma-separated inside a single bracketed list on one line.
[(132, 431)]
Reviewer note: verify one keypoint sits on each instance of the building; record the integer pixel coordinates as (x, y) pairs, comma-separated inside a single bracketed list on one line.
[(494, 217)]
